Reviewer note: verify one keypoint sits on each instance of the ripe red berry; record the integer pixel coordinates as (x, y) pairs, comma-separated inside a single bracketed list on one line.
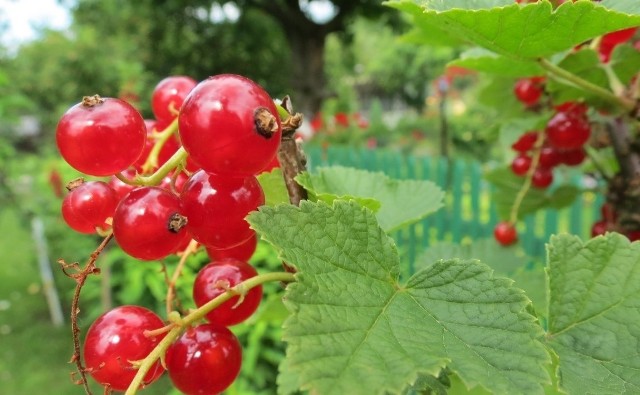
[(542, 177), (229, 272), (217, 205), (525, 142), (520, 165), (147, 224), (88, 205), (568, 131), (573, 157), (241, 252), (549, 157), (610, 40), (120, 187), (101, 136), (206, 359), (115, 339), (527, 91), (170, 94), (599, 228), (505, 233), (230, 125)]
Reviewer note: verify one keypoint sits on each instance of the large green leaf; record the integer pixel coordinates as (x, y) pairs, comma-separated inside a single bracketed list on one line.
[(527, 32), (396, 202), (585, 63), (594, 313), (355, 329), (486, 61), (275, 190), (625, 61)]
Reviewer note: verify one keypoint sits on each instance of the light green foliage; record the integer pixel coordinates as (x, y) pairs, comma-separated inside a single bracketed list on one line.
[(272, 184), (355, 329), (525, 32), (396, 202), (625, 62), (486, 61), (594, 313), (585, 63)]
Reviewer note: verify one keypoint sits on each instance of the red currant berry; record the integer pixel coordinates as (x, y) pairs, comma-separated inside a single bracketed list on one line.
[(88, 206), (229, 125), (115, 339), (633, 235), (611, 40), (599, 228), (608, 213), (168, 96), (206, 359), (542, 178), (120, 187), (573, 157), (101, 136), (178, 183), (241, 252), (549, 157), (217, 205), (527, 92), (212, 279), (520, 165), (525, 142), (573, 108), (568, 131), (505, 233), (147, 225)]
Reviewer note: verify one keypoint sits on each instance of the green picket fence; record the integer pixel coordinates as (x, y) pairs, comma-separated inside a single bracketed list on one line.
[(469, 212)]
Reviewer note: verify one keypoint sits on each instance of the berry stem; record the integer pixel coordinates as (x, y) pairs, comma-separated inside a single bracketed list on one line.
[(572, 79), (161, 138), (537, 150), (156, 178), (80, 277), (198, 315), (191, 248), (290, 156)]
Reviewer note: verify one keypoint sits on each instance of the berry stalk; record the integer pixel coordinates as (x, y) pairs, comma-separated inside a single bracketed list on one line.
[(513, 216)]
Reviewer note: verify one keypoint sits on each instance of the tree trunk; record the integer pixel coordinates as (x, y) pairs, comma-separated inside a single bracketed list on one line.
[(308, 79)]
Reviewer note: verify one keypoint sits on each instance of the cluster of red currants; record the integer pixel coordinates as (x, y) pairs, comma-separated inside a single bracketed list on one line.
[(562, 142), (228, 131)]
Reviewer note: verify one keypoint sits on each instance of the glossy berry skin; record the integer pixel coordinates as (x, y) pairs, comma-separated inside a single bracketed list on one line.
[(525, 142), (120, 187), (216, 207), (573, 157), (549, 157), (568, 131), (542, 178), (87, 206), (170, 92), (241, 252), (206, 287), (116, 338), (218, 126), (527, 91), (505, 233), (101, 137), (141, 223), (205, 360), (520, 165)]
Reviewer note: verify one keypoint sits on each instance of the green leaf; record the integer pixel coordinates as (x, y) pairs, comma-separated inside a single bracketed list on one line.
[(625, 61), (594, 313), (275, 191), (527, 32), (425, 34), (507, 185), (396, 202), (486, 61), (586, 64), (355, 329), (564, 196)]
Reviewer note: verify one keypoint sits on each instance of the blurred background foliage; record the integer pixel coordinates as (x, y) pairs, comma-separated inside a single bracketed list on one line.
[(356, 80)]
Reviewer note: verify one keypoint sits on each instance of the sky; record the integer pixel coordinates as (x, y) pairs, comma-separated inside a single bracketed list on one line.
[(23, 16)]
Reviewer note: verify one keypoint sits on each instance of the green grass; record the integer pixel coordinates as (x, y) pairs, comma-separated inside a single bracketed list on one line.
[(34, 354)]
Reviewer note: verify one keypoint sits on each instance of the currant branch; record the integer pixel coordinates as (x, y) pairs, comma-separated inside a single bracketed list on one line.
[(80, 276), (565, 76), (161, 139), (197, 315), (513, 216)]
